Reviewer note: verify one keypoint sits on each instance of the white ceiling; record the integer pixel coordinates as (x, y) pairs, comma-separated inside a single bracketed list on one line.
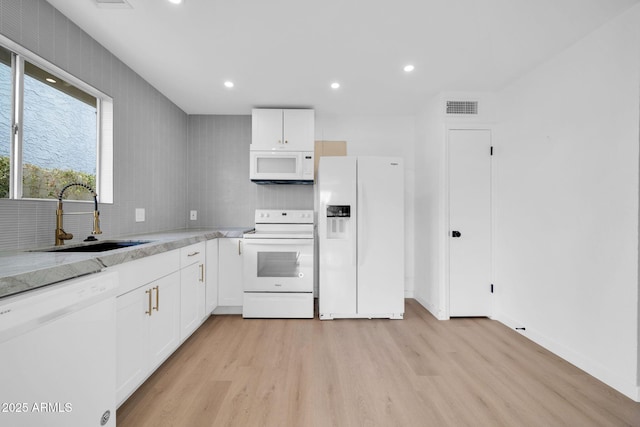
[(287, 52)]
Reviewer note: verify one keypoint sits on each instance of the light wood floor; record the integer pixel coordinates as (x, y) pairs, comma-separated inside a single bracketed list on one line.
[(413, 372)]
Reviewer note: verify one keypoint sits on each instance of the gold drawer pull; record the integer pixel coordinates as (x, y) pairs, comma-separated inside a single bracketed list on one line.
[(193, 253)]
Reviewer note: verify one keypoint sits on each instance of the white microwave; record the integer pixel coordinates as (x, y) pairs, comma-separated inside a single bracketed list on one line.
[(281, 167)]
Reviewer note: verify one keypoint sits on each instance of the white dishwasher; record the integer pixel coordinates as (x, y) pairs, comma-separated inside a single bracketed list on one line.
[(57, 354)]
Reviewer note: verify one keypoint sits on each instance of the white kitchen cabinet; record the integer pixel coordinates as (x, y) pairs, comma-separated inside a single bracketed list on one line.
[(211, 286), (163, 323), (230, 288), (192, 288), (148, 331), (282, 129)]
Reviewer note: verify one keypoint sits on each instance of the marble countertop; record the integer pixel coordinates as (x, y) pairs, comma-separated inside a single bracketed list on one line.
[(22, 271)]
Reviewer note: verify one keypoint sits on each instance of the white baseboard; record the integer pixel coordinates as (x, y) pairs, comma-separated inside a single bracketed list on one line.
[(596, 369), (228, 310), (438, 314)]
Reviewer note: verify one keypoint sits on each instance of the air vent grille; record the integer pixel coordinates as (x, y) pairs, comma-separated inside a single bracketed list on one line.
[(113, 3), (462, 107)]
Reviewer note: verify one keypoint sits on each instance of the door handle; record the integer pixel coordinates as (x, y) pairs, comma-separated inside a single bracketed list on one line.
[(455, 234)]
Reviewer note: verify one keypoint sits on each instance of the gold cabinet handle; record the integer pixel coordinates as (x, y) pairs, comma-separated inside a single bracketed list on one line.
[(202, 273), (148, 292), (157, 307), (193, 253), (239, 249)]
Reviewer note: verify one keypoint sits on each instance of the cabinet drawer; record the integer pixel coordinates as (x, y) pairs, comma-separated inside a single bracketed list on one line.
[(136, 273), (192, 254)]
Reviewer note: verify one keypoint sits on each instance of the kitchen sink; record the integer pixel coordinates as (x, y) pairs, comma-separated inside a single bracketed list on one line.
[(107, 245)]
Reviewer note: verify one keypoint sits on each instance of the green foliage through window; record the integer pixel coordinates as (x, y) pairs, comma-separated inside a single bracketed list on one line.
[(4, 177), (45, 183)]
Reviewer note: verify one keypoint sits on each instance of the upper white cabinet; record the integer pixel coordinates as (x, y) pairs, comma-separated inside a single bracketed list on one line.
[(282, 129)]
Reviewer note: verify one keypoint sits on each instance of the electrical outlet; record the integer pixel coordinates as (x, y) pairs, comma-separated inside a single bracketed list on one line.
[(193, 215), (140, 215)]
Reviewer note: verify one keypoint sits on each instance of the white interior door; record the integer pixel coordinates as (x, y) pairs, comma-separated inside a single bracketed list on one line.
[(469, 222)]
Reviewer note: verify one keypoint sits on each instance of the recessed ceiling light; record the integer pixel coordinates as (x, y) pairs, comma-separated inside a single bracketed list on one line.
[(50, 80), (335, 85), (408, 68), (228, 84), (175, 1)]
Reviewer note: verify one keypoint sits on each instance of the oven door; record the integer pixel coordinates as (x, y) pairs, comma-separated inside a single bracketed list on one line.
[(278, 265)]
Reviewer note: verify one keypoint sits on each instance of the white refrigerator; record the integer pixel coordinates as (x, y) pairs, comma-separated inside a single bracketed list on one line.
[(361, 237)]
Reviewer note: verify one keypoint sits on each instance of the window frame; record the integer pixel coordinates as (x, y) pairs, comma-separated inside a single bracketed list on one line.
[(104, 122)]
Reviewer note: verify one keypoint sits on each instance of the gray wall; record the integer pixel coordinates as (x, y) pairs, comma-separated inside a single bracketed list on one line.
[(164, 161), (150, 135), (218, 168)]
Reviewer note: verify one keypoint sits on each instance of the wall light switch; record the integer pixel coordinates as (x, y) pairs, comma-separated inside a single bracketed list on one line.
[(193, 215), (139, 214)]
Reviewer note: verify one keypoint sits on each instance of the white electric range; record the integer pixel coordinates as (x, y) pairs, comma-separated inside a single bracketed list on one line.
[(278, 265)]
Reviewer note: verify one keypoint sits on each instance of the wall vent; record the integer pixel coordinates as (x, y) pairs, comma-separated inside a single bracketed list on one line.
[(113, 4), (462, 107)]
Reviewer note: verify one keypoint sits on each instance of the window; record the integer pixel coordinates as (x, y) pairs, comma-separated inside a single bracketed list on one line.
[(54, 130), (5, 120)]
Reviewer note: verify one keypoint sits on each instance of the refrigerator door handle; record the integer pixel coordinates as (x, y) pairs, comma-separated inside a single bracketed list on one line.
[(361, 235)]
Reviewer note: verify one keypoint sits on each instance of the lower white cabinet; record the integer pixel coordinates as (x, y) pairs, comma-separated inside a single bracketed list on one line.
[(230, 287), (211, 287), (192, 288), (162, 299), (148, 331)]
